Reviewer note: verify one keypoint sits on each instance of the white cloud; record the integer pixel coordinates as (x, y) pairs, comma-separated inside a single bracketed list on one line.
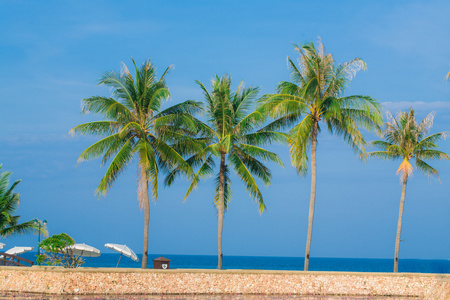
[(417, 105)]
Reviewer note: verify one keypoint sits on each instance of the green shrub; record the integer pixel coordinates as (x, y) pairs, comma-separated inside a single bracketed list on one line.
[(55, 252)]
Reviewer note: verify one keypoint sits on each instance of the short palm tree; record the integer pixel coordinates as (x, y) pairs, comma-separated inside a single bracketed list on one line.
[(315, 96), (406, 139), (9, 202), (135, 123), (230, 137)]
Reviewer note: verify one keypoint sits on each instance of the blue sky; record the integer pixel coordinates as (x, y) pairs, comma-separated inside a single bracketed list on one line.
[(52, 54)]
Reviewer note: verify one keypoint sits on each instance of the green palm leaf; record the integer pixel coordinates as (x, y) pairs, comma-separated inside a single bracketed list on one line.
[(117, 166), (247, 178), (9, 203), (101, 128)]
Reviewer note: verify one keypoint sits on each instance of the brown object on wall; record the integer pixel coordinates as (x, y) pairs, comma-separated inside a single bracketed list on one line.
[(161, 263)]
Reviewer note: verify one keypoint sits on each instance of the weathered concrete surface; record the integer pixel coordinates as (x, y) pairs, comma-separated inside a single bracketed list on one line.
[(55, 280)]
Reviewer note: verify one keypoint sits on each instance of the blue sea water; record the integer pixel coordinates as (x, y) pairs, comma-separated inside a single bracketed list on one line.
[(109, 260)]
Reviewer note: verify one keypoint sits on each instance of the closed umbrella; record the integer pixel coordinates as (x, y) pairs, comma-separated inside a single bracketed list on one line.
[(82, 250), (123, 250)]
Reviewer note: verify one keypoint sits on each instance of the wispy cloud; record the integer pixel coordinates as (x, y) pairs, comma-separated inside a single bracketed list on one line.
[(438, 106)]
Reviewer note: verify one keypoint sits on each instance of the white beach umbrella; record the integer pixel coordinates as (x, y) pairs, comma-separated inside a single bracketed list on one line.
[(2, 245), (123, 250), (18, 250), (82, 250)]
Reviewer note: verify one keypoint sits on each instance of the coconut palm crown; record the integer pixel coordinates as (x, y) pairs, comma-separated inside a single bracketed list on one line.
[(407, 140), (230, 137), (315, 96), (9, 203), (136, 125)]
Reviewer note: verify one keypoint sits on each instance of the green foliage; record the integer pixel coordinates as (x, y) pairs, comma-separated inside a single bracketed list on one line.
[(56, 243), (9, 203), (55, 252), (230, 133), (315, 95), (136, 124), (406, 139)]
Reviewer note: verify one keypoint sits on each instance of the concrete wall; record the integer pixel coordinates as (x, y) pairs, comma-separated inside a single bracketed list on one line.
[(53, 280)]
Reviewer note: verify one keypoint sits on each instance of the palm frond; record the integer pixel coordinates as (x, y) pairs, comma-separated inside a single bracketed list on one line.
[(123, 87), (242, 101), (206, 169), (426, 168), (19, 229), (248, 122), (117, 165), (246, 177), (101, 128), (258, 152), (169, 158), (97, 149), (430, 141), (343, 74), (107, 107), (431, 154), (299, 139), (157, 95), (382, 154), (283, 122), (187, 107)]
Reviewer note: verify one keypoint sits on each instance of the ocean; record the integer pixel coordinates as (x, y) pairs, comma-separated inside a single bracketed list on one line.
[(109, 260)]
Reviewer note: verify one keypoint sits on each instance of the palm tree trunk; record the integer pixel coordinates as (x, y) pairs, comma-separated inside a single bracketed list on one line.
[(145, 200), (220, 208), (312, 199), (399, 224)]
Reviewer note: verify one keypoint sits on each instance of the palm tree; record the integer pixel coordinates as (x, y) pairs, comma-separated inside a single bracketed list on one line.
[(9, 202), (315, 95), (135, 124), (406, 139), (230, 137)]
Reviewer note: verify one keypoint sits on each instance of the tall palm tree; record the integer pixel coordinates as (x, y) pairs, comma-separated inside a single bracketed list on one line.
[(9, 202), (135, 123), (230, 137), (406, 139), (315, 96)]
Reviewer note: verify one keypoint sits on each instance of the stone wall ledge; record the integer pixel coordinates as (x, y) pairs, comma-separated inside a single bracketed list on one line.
[(112, 281)]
